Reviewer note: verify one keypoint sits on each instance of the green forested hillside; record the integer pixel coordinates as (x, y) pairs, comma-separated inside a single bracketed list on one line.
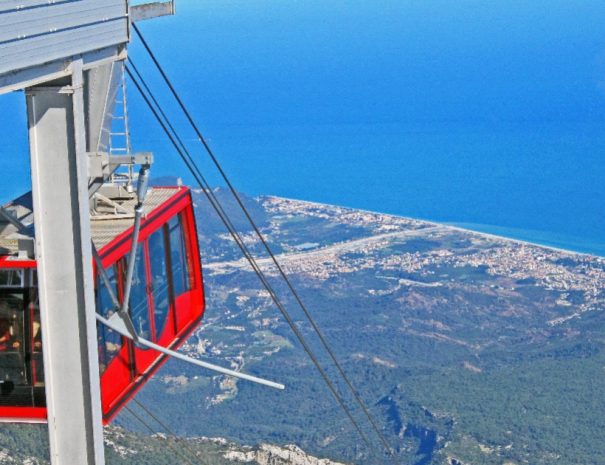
[(468, 349)]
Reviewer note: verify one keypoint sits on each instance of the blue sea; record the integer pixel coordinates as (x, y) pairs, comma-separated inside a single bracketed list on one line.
[(487, 115), (541, 184)]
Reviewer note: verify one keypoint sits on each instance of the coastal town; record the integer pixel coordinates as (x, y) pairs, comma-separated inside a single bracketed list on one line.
[(385, 243), (425, 302)]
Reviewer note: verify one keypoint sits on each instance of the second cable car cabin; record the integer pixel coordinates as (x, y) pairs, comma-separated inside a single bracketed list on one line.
[(166, 301)]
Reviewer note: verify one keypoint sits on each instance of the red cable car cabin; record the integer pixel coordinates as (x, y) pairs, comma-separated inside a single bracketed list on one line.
[(166, 303)]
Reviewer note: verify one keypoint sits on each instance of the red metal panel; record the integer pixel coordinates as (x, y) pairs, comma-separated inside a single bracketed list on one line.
[(138, 383), (189, 307), (120, 246), (119, 383), (10, 262), (23, 414)]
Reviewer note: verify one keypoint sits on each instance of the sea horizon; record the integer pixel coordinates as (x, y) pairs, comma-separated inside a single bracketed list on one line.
[(546, 239), (538, 183), (514, 181)]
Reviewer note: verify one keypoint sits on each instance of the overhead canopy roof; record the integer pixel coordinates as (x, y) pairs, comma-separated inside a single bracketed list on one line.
[(39, 38), (103, 228)]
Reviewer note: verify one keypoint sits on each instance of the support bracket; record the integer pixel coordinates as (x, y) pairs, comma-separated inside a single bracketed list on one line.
[(151, 10)]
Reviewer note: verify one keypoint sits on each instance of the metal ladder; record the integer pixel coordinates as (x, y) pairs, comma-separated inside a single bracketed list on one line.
[(119, 137)]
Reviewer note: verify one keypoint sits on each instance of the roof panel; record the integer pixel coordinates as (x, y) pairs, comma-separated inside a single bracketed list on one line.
[(8, 5), (103, 228), (39, 50), (35, 32), (22, 25)]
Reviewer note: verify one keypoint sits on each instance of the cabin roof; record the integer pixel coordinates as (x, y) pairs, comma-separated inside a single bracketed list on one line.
[(106, 222)]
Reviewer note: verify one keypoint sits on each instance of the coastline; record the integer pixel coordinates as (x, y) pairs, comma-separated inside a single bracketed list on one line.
[(533, 237), (485, 231), (517, 235)]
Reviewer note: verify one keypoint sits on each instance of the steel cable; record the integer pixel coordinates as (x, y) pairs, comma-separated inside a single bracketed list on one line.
[(261, 237), (206, 189), (151, 430)]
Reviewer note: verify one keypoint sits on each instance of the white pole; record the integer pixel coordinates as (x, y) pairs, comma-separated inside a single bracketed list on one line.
[(65, 279)]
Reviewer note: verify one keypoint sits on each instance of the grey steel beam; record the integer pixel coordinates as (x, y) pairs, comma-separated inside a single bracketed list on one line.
[(151, 10), (68, 43), (39, 38), (35, 75), (59, 30), (102, 84), (66, 283)]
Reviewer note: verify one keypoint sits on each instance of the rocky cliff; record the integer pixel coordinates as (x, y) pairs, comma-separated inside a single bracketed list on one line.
[(267, 454)]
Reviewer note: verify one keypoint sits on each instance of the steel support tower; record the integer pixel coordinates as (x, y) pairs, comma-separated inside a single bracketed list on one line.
[(64, 56)]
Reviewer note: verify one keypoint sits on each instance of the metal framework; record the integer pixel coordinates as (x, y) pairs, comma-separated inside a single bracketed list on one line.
[(63, 54), (61, 216)]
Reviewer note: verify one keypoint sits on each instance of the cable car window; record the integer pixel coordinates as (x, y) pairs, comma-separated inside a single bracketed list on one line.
[(139, 303), (35, 339), (178, 257), (12, 278), (110, 342), (159, 281), (12, 360)]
